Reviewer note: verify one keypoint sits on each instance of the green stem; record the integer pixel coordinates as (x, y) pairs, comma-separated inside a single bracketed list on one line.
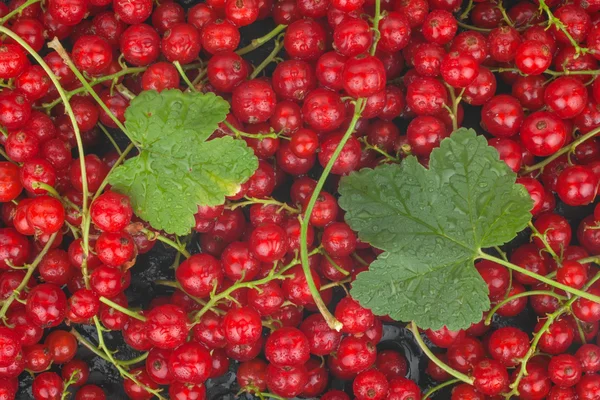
[(258, 136), (544, 241), (133, 361), (121, 158), (458, 375), (122, 309), (56, 45), (468, 9), (184, 76), (124, 373), (540, 278), (376, 19), (571, 147), (30, 270), (592, 259), (72, 379), (256, 43), (472, 27), (505, 16), (157, 236), (538, 335), (69, 111), (552, 20), (110, 138), (268, 60), (252, 200), (388, 157), (439, 387), (498, 306), (17, 11), (331, 320), (335, 284), (94, 82), (334, 264)]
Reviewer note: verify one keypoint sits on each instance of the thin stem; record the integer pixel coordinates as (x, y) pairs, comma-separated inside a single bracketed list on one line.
[(17, 11), (544, 241), (331, 320), (439, 387), (69, 111), (468, 9), (458, 375), (376, 19), (157, 236), (472, 27), (256, 43), (94, 82), (552, 20), (56, 45), (133, 361), (505, 16), (122, 157), (72, 379), (252, 200), (498, 306), (110, 138), (387, 156), (124, 373), (592, 259), (334, 264), (335, 284), (258, 136), (538, 335), (571, 147), (30, 270), (184, 76), (540, 278), (269, 59), (122, 309)]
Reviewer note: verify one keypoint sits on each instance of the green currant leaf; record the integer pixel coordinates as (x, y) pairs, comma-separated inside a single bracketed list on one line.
[(431, 224), (177, 168)]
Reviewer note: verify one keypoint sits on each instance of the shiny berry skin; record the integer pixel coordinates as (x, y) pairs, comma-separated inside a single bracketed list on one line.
[(78, 369), (84, 303), (13, 60), (67, 12), (242, 326), (135, 391), (190, 363), (533, 57), (10, 185), (287, 347), (556, 231), (15, 109), (90, 392), (37, 358), (439, 27), (220, 35), (133, 12), (426, 96), (293, 79), (355, 318), (166, 326), (10, 346), (504, 43), (403, 389), (45, 214), (543, 133), (323, 110), (370, 385), (363, 76), (321, 338), (557, 338), (46, 305), (508, 345), (253, 101), (564, 370), (47, 386), (459, 70), (187, 391), (160, 76), (115, 249), (566, 97), (502, 116), (111, 212), (392, 363), (62, 346), (444, 337), (577, 185), (424, 133), (355, 354), (226, 70), (491, 377), (268, 243), (352, 37), (536, 384), (199, 274), (140, 45), (181, 43), (92, 54), (305, 40), (586, 310)]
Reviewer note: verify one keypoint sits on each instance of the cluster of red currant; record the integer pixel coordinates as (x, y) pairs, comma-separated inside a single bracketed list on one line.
[(256, 296)]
